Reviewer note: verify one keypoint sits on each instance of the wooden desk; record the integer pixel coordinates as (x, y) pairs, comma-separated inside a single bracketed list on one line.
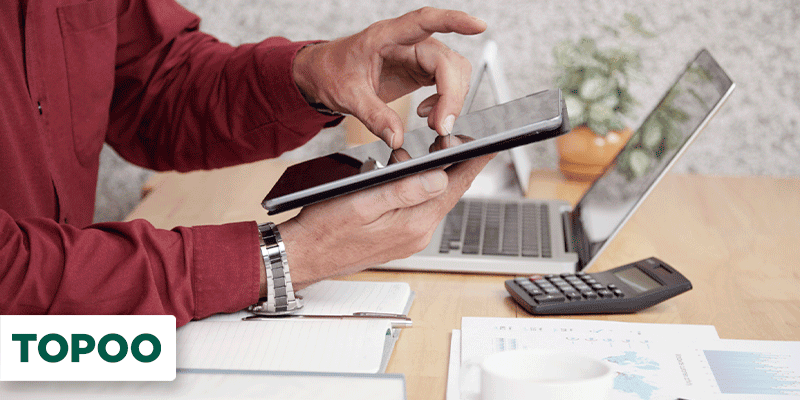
[(736, 239)]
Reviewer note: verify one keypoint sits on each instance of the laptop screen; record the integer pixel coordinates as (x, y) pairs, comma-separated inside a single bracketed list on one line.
[(665, 133)]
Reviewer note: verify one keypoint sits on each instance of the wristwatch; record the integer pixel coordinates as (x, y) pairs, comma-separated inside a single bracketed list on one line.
[(280, 297)]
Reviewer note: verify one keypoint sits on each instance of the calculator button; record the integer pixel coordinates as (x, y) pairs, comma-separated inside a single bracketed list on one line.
[(605, 293), (597, 286), (556, 281), (618, 293), (552, 290), (589, 295), (550, 276), (534, 292), (522, 280), (572, 295), (590, 280), (565, 286), (550, 298), (581, 274), (582, 287), (612, 286), (567, 275)]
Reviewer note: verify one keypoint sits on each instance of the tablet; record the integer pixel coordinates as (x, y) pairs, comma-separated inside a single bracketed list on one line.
[(533, 118)]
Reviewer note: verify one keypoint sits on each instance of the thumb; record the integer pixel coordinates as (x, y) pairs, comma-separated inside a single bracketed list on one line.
[(402, 193), (379, 118)]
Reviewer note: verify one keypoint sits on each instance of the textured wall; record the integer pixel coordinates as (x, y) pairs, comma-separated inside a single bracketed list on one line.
[(756, 132)]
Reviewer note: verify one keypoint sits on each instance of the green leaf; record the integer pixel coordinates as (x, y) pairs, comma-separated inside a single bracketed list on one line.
[(611, 100), (598, 127), (634, 22), (639, 162), (565, 53), (594, 88), (652, 134), (600, 112), (576, 109), (616, 124)]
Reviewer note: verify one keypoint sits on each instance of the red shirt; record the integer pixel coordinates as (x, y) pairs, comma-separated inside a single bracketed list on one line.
[(138, 75)]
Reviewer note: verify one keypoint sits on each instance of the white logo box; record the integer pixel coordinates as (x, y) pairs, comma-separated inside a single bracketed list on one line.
[(138, 364)]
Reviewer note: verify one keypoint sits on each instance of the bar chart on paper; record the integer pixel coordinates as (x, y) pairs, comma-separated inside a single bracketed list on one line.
[(755, 373)]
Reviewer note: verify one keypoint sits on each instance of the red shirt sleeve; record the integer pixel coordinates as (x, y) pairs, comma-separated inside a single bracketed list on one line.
[(127, 268), (184, 101), (181, 100)]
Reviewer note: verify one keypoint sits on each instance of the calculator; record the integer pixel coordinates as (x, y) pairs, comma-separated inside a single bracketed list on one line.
[(624, 289)]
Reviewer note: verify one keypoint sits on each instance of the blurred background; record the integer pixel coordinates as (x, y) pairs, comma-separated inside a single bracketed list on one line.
[(757, 132)]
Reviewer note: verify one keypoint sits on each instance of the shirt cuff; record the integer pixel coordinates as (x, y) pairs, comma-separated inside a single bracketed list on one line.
[(276, 56), (226, 268)]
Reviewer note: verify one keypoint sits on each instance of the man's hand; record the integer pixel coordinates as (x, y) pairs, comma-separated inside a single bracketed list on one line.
[(359, 74), (347, 234)]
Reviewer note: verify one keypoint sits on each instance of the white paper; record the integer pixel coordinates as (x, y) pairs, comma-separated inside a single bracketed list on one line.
[(221, 385), (646, 356), (355, 346), (454, 368), (744, 369), (484, 336)]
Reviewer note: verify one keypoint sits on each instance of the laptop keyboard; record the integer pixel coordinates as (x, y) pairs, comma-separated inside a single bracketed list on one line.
[(495, 228)]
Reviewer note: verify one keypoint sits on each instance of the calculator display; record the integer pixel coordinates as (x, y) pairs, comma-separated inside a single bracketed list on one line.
[(637, 279)]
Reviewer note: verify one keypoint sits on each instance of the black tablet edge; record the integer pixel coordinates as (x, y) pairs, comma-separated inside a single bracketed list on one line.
[(532, 137)]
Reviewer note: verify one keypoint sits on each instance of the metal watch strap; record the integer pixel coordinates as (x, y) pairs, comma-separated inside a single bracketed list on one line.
[(280, 297)]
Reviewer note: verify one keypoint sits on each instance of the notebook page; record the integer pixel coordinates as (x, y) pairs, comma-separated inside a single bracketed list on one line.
[(344, 297), (354, 346), (195, 385)]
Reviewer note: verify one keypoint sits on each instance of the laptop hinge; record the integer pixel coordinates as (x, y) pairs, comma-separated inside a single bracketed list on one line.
[(566, 223)]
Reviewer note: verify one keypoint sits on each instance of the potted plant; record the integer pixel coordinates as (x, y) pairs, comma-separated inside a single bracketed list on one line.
[(595, 81)]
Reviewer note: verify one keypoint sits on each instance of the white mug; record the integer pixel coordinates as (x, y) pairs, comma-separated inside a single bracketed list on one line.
[(537, 374)]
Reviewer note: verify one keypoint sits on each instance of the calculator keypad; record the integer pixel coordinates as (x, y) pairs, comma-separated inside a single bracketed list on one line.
[(566, 287)]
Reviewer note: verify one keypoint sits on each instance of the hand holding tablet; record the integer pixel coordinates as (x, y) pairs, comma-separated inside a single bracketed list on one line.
[(536, 117)]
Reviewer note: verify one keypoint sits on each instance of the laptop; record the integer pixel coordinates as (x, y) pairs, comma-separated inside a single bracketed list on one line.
[(529, 236)]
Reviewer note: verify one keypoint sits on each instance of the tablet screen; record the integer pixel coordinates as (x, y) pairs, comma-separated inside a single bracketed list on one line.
[(525, 115)]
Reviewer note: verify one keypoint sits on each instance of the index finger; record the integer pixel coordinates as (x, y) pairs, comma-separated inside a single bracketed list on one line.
[(417, 25)]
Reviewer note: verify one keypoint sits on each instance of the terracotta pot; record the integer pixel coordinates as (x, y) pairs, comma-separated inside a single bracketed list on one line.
[(584, 156)]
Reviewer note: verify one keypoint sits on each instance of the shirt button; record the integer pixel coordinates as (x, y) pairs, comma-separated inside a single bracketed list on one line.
[(39, 104)]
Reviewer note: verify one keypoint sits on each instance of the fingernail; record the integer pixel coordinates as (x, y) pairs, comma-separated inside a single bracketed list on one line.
[(434, 182), (448, 123), (424, 111), (389, 133)]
